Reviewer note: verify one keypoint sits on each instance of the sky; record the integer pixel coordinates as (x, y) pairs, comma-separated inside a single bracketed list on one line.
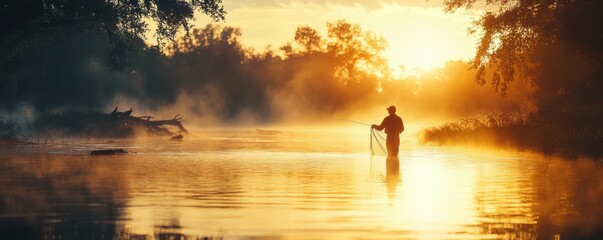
[(420, 34)]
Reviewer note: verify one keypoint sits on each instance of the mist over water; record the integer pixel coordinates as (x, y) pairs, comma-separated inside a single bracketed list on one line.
[(211, 79)]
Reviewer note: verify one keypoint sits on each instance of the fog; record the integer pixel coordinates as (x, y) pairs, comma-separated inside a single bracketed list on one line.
[(212, 80)]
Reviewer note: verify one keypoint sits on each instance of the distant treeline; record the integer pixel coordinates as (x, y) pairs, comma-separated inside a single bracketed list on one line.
[(209, 73)]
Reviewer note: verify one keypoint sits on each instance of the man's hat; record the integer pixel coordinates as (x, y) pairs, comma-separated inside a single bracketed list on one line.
[(392, 107)]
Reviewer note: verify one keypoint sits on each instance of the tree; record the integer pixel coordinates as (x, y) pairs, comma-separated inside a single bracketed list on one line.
[(357, 50), (30, 23), (357, 54), (556, 44), (512, 33), (308, 38), (211, 36), (33, 21)]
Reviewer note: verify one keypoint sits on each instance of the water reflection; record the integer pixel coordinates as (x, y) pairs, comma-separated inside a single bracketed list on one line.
[(570, 201), (48, 197), (392, 175), (253, 189)]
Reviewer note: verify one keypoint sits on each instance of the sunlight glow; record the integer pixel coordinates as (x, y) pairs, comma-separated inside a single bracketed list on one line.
[(424, 201), (420, 38), (425, 38)]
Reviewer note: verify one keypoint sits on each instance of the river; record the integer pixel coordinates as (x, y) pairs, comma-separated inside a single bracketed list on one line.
[(293, 184)]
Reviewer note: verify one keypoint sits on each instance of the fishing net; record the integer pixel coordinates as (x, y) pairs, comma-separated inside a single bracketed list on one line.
[(377, 143)]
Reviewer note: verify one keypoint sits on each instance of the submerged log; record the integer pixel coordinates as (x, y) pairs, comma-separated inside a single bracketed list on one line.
[(108, 151), (178, 137)]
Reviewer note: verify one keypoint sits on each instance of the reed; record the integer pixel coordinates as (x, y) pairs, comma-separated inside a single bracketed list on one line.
[(553, 137)]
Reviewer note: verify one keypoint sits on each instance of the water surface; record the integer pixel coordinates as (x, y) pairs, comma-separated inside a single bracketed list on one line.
[(241, 184)]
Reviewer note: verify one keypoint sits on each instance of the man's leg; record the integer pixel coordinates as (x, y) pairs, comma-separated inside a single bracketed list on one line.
[(389, 143), (396, 145)]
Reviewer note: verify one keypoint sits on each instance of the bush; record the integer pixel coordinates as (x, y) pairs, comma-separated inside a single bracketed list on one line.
[(8, 128), (571, 138)]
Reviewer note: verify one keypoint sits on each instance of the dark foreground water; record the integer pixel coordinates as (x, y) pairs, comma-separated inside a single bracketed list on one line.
[(293, 185)]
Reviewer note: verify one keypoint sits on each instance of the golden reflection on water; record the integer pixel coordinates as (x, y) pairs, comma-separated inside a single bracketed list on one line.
[(241, 184), (426, 197)]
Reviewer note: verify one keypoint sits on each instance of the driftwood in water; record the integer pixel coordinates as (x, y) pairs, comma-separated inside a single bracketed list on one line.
[(108, 151), (153, 127), (115, 124)]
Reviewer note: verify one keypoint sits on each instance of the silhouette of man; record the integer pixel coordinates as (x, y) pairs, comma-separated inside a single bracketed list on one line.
[(393, 126)]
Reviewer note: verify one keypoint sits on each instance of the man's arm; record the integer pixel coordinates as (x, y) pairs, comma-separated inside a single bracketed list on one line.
[(379, 127)]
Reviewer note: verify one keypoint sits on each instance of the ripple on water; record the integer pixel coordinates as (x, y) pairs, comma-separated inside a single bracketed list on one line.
[(294, 187)]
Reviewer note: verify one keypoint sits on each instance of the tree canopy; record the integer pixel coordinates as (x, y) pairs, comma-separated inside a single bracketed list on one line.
[(355, 52), (516, 29), (556, 46), (35, 21), (28, 24)]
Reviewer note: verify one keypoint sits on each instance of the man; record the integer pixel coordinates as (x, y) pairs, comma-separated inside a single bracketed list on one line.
[(393, 126)]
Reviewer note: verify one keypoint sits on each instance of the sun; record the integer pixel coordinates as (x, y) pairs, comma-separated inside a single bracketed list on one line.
[(423, 39), (422, 47)]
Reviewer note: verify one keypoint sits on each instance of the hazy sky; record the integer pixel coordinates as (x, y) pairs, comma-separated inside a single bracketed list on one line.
[(419, 33)]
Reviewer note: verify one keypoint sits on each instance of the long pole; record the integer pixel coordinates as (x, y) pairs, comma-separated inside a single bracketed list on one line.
[(358, 122)]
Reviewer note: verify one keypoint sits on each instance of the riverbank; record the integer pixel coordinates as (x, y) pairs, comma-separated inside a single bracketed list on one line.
[(522, 133)]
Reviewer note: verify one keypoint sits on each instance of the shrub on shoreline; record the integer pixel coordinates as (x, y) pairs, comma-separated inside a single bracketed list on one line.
[(8, 129), (516, 131)]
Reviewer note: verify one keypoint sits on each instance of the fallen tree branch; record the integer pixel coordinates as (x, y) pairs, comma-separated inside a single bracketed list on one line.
[(113, 124)]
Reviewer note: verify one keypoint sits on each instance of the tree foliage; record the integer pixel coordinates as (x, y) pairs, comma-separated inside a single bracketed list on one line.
[(309, 39), (307, 76), (35, 21), (512, 33), (356, 52), (556, 44), (28, 24)]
